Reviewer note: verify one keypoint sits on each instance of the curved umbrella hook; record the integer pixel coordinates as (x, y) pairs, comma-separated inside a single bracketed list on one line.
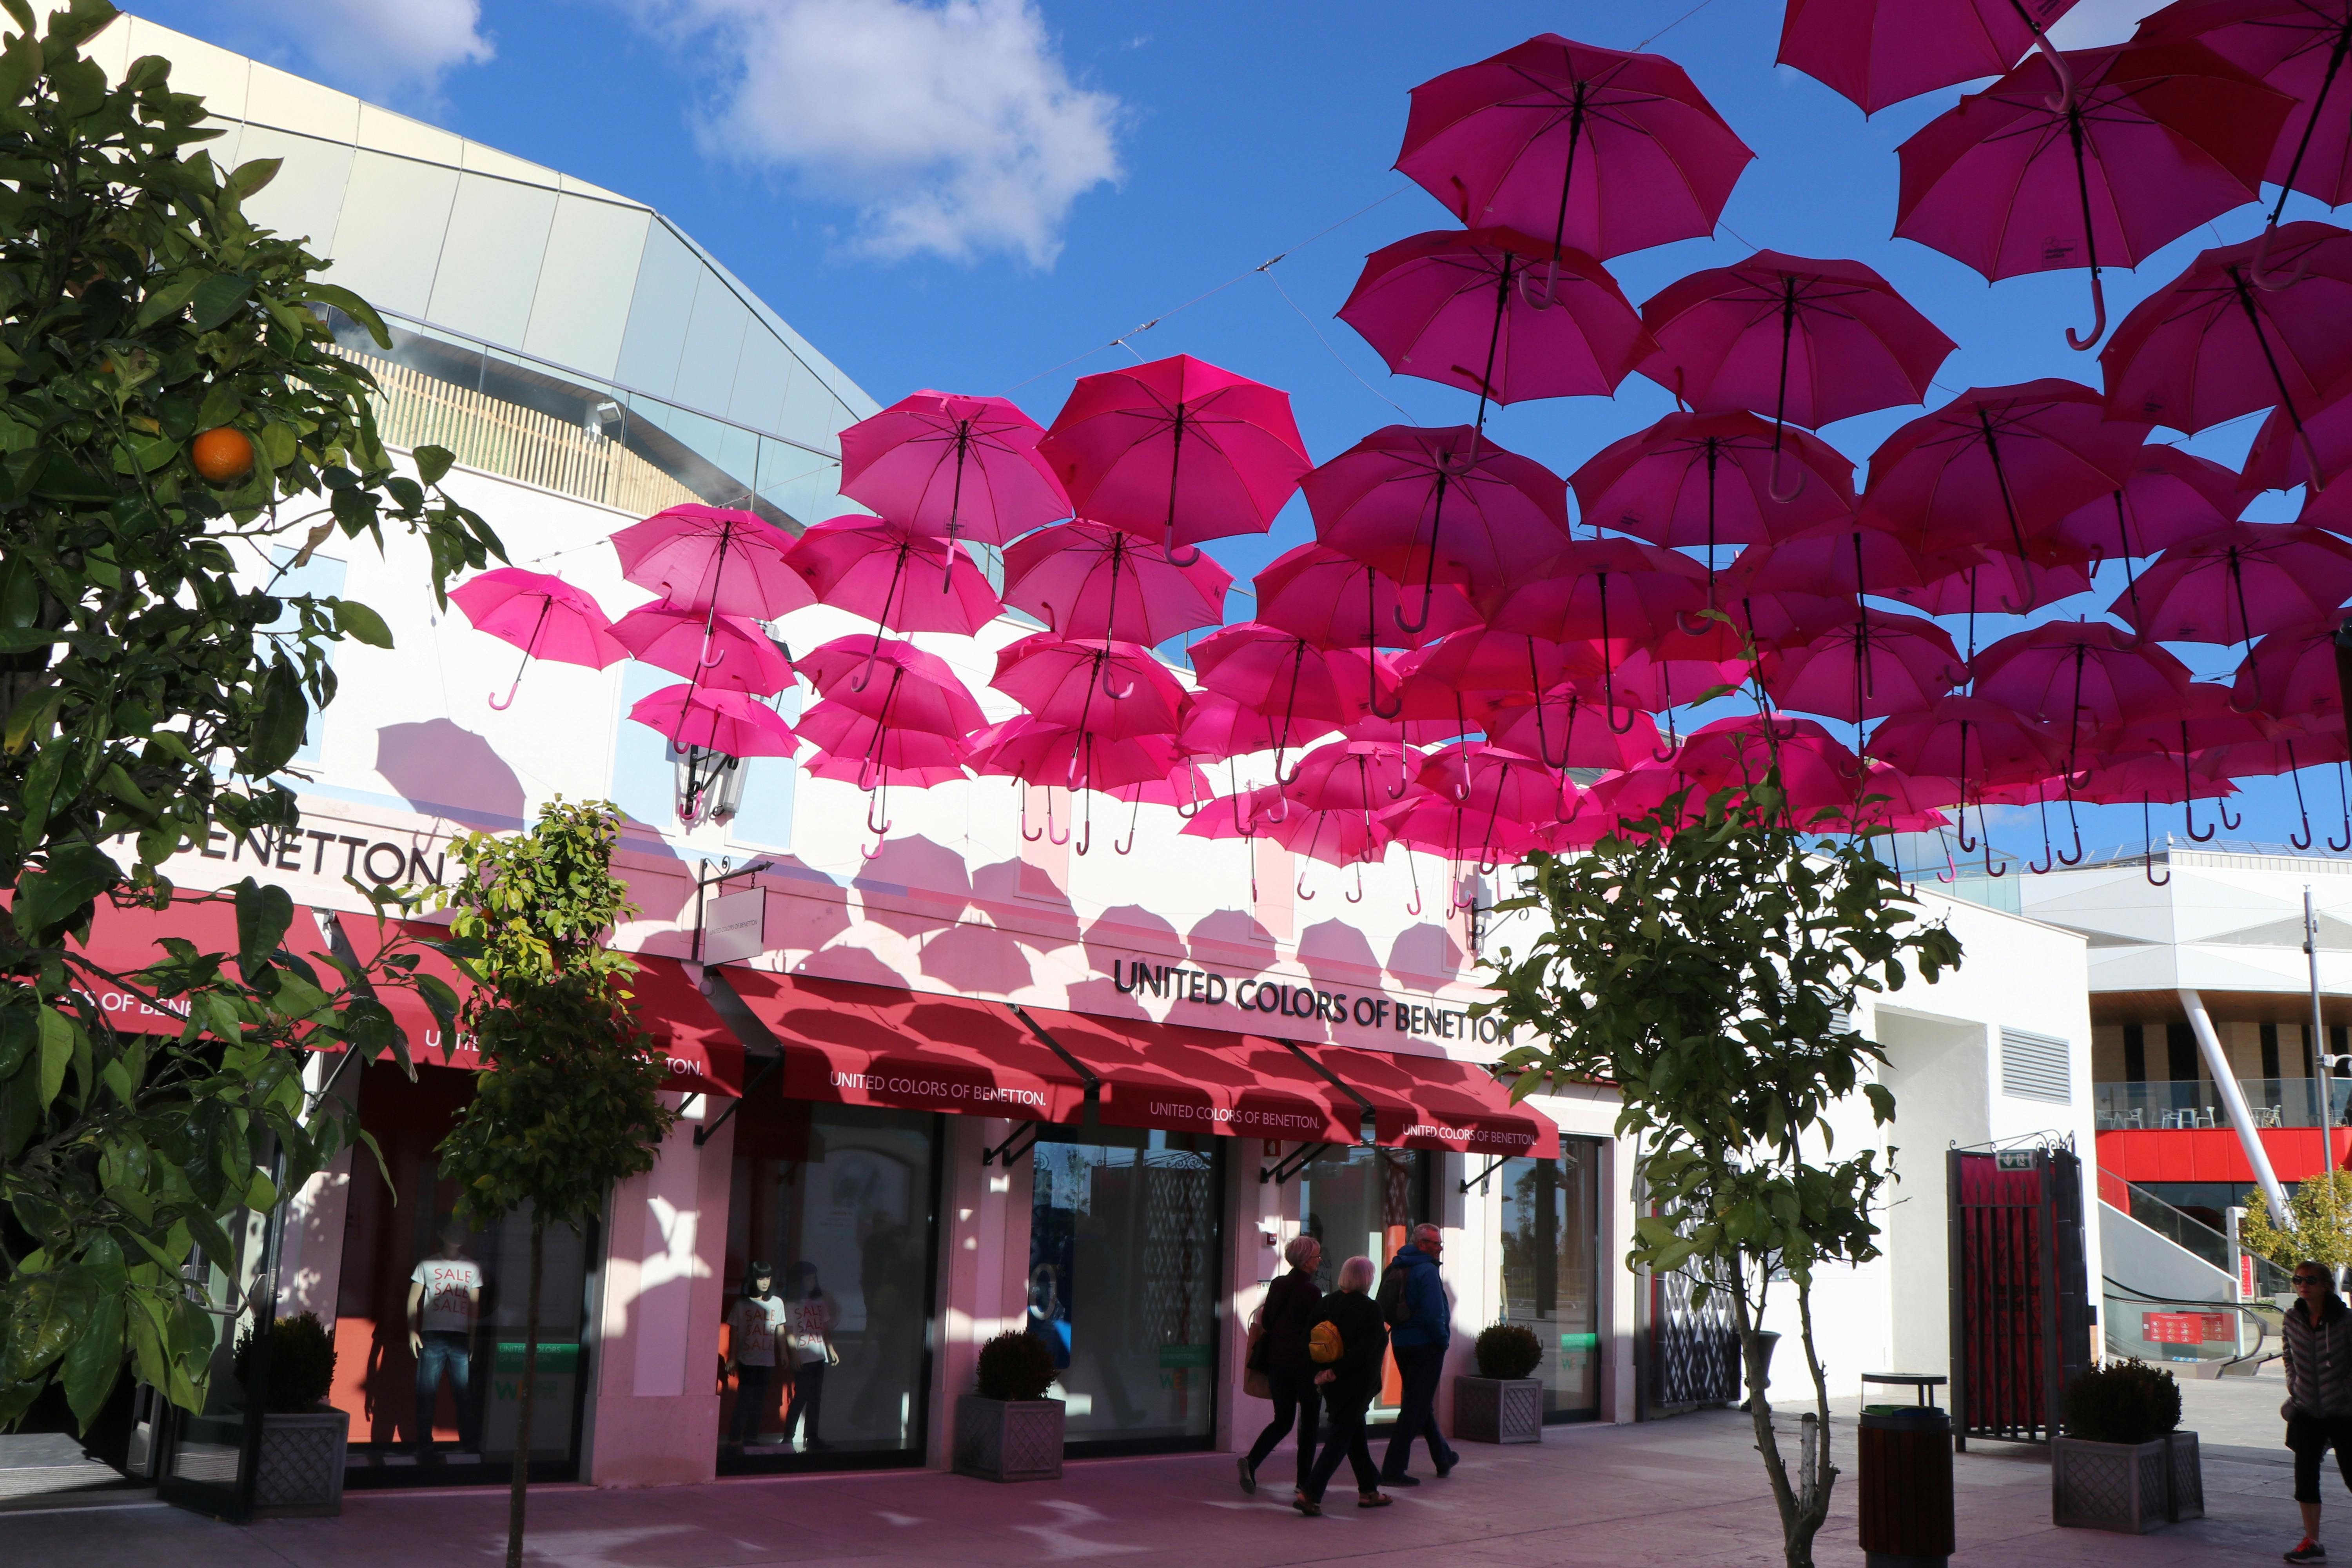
[(1358, 896), (2075, 824), (1990, 871), (1050, 838), (1429, 572), (1413, 869), (1952, 868), (1372, 685), (2049, 855), (1549, 295), (500, 706), (1086, 839), (2189, 783), (2148, 849), (1132, 823), (1030, 838), (2065, 98), (2081, 345), (1300, 891), (1772, 477), (2345, 797), (2262, 257)]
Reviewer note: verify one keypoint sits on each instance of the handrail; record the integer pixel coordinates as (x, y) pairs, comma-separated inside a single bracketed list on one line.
[(2262, 1329)]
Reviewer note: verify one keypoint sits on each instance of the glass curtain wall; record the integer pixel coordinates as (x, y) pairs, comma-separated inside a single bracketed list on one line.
[(829, 1367), (1551, 1270), (1125, 1275), (1365, 1201)]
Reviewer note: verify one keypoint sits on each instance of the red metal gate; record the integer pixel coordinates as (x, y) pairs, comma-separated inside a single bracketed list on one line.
[(2021, 1308)]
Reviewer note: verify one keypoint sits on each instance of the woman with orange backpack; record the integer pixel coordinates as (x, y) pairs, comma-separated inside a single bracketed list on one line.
[(1350, 1344)]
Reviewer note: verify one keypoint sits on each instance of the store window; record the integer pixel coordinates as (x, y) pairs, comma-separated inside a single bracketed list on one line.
[(1126, 1252), (825, 1362), (1552, 1270), (430, 1313), (1360, 1201)]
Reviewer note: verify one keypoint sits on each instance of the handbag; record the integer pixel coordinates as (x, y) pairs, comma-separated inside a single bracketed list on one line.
[(1254, 1380)]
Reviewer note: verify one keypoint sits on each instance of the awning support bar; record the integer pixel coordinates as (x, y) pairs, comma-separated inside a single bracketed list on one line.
[(1006, 1150), (702, 1134), (1290, 1164), (1092, 1116), (1480, 1179), (1367, 1128)]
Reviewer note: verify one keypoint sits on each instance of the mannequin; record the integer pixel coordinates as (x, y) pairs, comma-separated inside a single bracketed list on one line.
[(445, 1303)]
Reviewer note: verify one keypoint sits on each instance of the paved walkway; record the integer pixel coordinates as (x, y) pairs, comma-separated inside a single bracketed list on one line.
[(1687, 1492)]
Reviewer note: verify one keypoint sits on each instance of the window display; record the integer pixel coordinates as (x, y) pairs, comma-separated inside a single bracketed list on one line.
[(1126, 1247), (1360, 1201), (1552, 1270)]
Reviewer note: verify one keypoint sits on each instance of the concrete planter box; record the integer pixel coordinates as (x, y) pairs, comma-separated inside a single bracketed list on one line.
[(2128, 1486), (1499, 1409), (1008, 1439), (301, 1471)]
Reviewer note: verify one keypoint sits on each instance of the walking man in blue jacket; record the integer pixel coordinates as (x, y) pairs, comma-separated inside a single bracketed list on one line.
[(1421, 1327)]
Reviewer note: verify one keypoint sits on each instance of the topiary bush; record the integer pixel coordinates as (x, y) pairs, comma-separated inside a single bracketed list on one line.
[(302, 1363), (2122, 1402), (1509, 1351), (1015, 1366)]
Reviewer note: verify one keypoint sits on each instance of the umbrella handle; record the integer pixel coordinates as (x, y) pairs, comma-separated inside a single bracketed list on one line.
[(1773, 478), (2065, 98), (1358, 896), (1086, 839), (1304, 896), (500, 704), (1132, 822), (1065, 838), (2076, 824), (1372, 696), (1413, 869), (1112, 692), (2221, 809), (1027, 837), (1988, 853), (2261, 255), (2099, 326), (1551, 294), (1168, 554)]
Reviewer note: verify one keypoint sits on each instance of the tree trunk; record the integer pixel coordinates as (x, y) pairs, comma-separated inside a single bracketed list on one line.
[(1805, 1505), (521, 1485)]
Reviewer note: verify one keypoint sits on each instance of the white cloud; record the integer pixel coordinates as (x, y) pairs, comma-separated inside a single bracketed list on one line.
[(387, 47), (952, 128)]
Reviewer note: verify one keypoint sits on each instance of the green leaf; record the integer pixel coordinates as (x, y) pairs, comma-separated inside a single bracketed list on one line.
[(355, 620), (51, 1309), (22, 14), (277, 726), (57, 1035), (350, 304), (433, 463), (71, 875), (251, 175), (94, 1359), (263, 913), (20, 67), (217, 297)]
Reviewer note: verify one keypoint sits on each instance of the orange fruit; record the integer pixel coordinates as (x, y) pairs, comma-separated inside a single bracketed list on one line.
[(223, 453)]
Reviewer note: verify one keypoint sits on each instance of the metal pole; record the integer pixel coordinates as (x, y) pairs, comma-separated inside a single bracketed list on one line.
[(2234, 1102), (2325, 1114)]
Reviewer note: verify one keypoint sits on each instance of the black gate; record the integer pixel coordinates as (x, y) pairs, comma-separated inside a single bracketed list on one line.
[(2021, 1317)]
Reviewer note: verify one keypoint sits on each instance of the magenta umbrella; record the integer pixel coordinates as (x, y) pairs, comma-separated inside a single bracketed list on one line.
[(2205, 720), (1970, 578), (2286, 448), (1336, 601), (2098, 162), (1055, 756), (2290, 675), (952, 466), (1486, 662), (1444, 307), (1875, 53), (1441, 506), (871, 567), (722, 651), (1086, 581), (2169, 494), (1601, 151), (1607, 589), (2083, 677), (1566, 730), (2237, 582), (2298, 47), (1212, 724), (1835, 558), (1176, 451), (1970, 741), (1706, 480), (898, 681), (1277, 673), (545, 616), (875, 752), (1880, 664), (711, 558), (1114, 689), (732, 723), (1499, 786)]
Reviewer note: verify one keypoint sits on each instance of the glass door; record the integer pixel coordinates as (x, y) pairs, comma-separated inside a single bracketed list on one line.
[(207, 1458), (1364, 1202), (1551, 1270)]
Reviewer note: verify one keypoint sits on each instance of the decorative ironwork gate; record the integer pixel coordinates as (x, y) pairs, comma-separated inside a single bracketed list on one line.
[(1694, 1349), (2021, 1308)]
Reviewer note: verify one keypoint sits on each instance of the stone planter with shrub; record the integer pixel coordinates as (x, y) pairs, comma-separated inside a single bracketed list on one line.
[(2122, 1464), (1503, 1403), (1007, 1430), (299, 1473)]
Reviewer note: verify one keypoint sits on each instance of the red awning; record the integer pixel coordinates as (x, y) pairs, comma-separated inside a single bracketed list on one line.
[(123, 940), (854, 1044), (1179, 1078), (1436, 1102)]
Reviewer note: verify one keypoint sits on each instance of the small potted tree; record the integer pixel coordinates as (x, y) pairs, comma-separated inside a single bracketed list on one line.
[(2122, 1464), (1503, 1403), (1006, 1430), (300, 1470)]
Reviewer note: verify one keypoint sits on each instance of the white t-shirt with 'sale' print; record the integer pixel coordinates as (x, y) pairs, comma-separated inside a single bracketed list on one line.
[(752, 1327), (449, 1308)]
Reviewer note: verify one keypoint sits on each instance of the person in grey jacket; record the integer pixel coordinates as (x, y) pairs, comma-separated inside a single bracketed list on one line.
[(1418, 1345), (2318, 1337)]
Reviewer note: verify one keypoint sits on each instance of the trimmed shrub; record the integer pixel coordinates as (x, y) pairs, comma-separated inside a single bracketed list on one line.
[(1509, 1351), (2122, 1402), (302, 1363), (1015, 1366)]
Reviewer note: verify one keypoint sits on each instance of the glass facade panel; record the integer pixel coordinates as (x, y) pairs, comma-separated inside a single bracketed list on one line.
[(1552, 1270), (430, 1315), (1364, 1202), (1126, 1253), (841, 1202)]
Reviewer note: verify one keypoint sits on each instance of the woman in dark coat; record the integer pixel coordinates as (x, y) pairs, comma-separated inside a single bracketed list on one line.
[(1351, 1379), (1292, 1304), (2317, 1338)]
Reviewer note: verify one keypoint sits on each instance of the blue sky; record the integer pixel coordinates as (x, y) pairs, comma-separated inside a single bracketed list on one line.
[(1119, 161)]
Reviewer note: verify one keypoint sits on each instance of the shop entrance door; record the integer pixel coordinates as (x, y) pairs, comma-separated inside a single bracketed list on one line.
[(1551, 1270)]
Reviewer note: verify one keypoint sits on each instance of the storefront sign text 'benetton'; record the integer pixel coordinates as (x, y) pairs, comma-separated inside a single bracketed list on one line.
[(1281, 1000)]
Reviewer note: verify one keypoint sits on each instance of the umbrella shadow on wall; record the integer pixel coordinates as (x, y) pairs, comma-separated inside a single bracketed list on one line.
[(1043, 922), (912, 885), (441, 767), (1124, 935), (1427, 952), (1337, 957), (1233, 940)]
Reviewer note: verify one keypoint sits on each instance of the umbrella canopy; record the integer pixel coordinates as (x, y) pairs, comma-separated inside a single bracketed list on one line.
[(1462, 831), (1353, 775), (1970, 739), (1589, 148), (953, 467), (1733, 753), (893, 679), (1983, 579), (2168, 495), (1432, 506), (733, 723), (1708, 479), (711, 558), (1492, 783), (2288, 446), (875, 752), (1877, 53), (1565, 729), (2239, 581), (1449, 307), (2127, 150), (1803, 341), (2298, 47), (1336, 601), (1028, 748), (1880, 663), (1176, 451), (2080, 678), (545, 616), (2290, 675), (1281, 674), (1112, 688), (1606, 588), (722, 651), (1212, 724), (893, 575), (1088, 581), (1835, 558), (1484, 663)]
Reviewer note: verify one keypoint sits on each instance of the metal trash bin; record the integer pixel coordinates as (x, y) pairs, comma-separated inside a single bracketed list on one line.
[(1903, 1457)]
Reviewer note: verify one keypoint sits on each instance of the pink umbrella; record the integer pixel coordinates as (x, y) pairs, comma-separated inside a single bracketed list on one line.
[(2169, 496), (1602, 151), (875, 752), (2290, 675), (1806, 341), (1564, 730), (2216, 343), (1176, 451), (1499, 786), (870, 567), (952, 466), (1429, 732), (1607, 589), (2287, 446), (2098, 162), (545, 616), (1276, 672), (2237, 582), (1875, 54), (1650, 680), (1027, 747), (895, 681), (1113, 689), (2298, 47), (1443, 307), (1835, 558), (722, 651), (732, 723), (1441, 506), (2084, 677), (1336, 601), (1706, 480), (2205, 720), (1462, 831), (710, 558), (1886, 800), (1999, 464), (1970, 578), (1212, 724), (1352, 775), (1882, 663), (1970, 741), (1086, 582), (1483, 663)]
